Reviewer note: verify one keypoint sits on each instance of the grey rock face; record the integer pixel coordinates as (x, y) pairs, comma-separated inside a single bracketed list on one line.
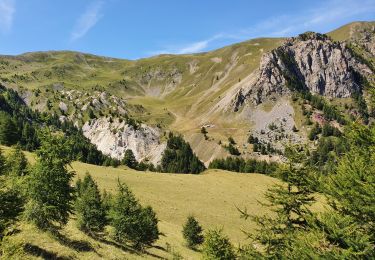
[(114, 138), (310, 62)]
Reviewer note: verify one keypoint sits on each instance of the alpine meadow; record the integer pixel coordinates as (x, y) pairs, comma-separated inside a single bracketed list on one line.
[(233, 147)]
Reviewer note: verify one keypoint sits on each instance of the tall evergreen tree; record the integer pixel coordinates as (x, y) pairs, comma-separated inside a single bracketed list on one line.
[(2, 163), (131, 221), (129, 159), (91, 215), (192, 232), (8, 130), (11, 205), (290, 203), (352, 188), (49, 190), (17, 163), (217, 246)]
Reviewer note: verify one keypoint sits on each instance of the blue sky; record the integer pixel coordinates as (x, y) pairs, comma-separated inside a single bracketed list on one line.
[(141, 28)]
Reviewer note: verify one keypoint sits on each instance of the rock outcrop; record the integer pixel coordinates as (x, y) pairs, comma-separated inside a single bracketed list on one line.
[(114, 138), (311, 62)]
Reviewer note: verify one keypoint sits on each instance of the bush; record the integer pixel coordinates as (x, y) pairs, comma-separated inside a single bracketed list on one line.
[(216, 246), (192, 232)]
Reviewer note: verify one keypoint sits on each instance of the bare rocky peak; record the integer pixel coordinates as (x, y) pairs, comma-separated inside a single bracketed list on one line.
[(311, 62)]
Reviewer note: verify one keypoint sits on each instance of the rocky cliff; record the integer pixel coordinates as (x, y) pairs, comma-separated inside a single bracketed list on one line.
[(311, 62), (113, 138)]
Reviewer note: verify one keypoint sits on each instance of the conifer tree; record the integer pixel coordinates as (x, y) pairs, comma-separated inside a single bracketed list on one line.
[(17, 162), (352, 187), (217, 246), (49, 191), (129, 159), (11, 205), (289, 202), (131, 221), (192, 232), (8, 130), (91, 215), (2, 163)]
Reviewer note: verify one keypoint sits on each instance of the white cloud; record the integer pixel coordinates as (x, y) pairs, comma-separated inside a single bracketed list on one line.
[(332, 12), (193, 47), (87, 20), (7, 10)]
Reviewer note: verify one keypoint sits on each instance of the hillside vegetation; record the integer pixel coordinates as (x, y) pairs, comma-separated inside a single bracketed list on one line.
[(212, 197)]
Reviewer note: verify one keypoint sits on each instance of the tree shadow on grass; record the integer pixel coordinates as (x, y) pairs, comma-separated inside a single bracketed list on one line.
[(123, 247), (77, 245), (40, 252)]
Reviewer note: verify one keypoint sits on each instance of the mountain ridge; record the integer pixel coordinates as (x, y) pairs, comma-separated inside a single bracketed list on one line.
[(178, 93)]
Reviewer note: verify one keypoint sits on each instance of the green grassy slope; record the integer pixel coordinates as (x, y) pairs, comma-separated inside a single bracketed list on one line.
[(211, 197)]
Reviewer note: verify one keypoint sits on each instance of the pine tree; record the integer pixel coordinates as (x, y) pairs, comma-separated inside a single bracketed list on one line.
[(129, 159), (11, 206), (352, 188), (49, 191), (17, 163), (91, 215), (131, 221), (217, 246), (290, 203), (8, 130), (2, 163), (192, 232)]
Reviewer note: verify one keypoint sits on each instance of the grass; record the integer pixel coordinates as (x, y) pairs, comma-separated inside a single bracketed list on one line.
[(212, 197)]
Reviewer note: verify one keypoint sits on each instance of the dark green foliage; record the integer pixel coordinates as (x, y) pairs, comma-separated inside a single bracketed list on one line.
[(8, 130), (252, 140), (178, 157), (91, 215), (313, 35), (129, 159), (19, 124), (261, 147), (314, 132), (329, 111), (242, 165), (329, 130), (2, 163), (327, 152), (232, 149), (203, 130), (131, 221), (11, 206), (231, 140), (352, 188), (192, 232), (217, 246), (16, 162), (291, 73), (345, 230), (290, 203), (49, 191)]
